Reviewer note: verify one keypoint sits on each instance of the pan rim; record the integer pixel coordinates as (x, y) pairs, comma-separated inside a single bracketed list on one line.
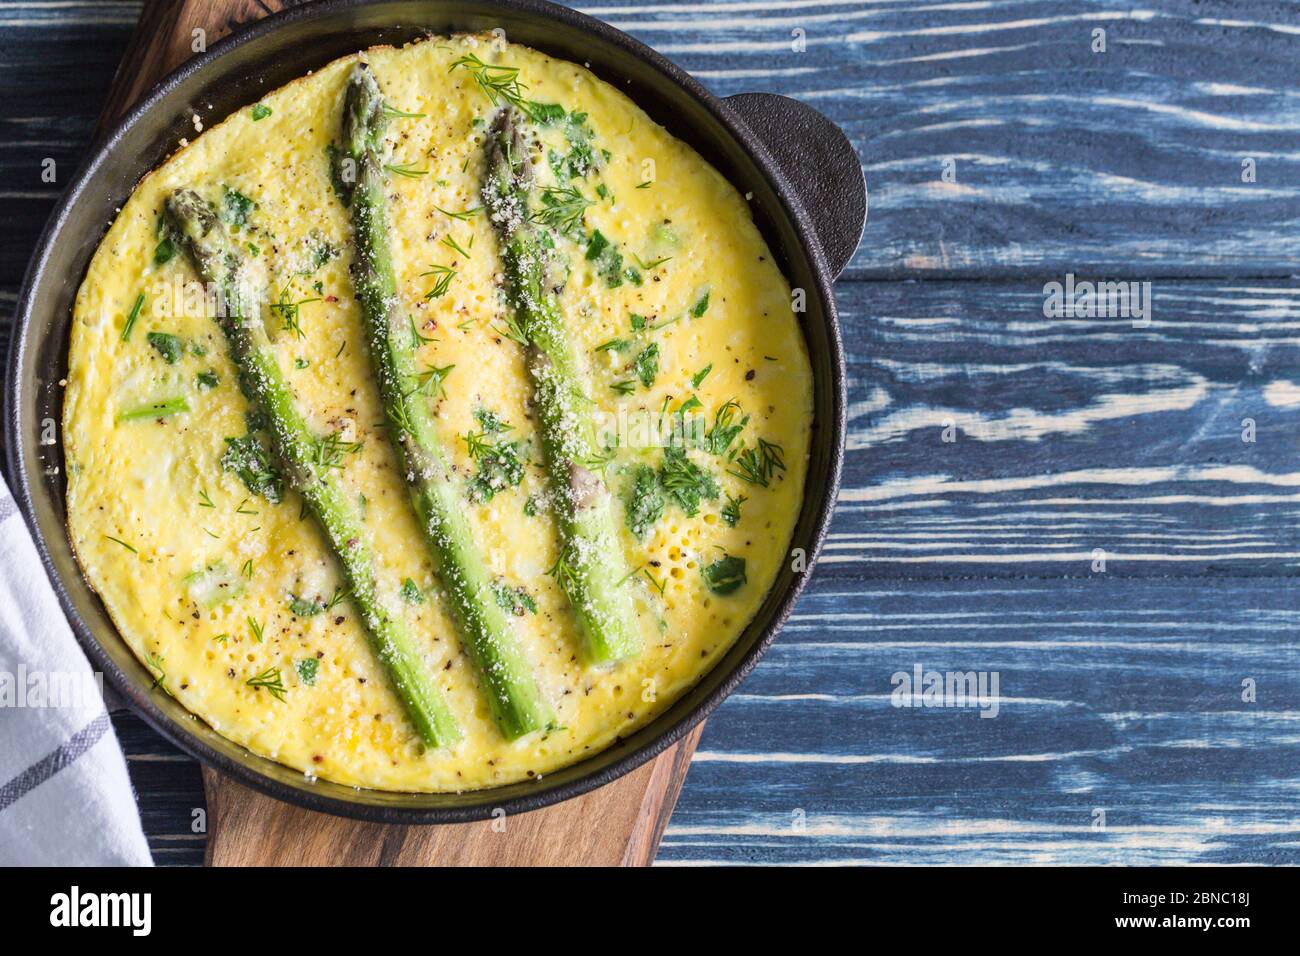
[(244, 771)]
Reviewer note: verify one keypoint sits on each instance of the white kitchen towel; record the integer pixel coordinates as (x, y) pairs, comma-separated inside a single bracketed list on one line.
[(65, 798)]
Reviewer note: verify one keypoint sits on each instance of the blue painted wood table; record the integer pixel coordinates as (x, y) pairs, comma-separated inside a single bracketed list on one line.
[(1097, 507)]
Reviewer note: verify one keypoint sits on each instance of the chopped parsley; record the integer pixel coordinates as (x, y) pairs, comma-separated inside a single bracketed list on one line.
[(260, 111), (725, 428), (597, 245), (515, 600), (307, 669), (303, 607), (249, 459), (647, 364), (164, 251), (547, 112), (235, 208), (731, 510), (167, 345), (580, 159), (411, 592), (333, 162), (701, 305), (491, 422), (322, 251), (701, 375), (607, 259), (499, 463), (686, 482), (726, 575), (208, 379), (644, 502)]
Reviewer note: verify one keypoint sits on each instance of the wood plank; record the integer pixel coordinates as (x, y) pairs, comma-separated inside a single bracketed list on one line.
[(1128, 683), (1123, 682), (606, 827), (1069, 435), (1119, 694), (169, 33), (1127, 162)]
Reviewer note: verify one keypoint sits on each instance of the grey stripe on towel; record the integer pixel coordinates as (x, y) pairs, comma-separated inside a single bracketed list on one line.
[(8, 508), (48, 766)]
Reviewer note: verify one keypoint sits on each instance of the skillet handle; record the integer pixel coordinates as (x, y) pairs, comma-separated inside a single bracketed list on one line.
[(819, 162)]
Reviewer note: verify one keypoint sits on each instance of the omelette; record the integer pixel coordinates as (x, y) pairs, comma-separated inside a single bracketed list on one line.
[(692, 369)]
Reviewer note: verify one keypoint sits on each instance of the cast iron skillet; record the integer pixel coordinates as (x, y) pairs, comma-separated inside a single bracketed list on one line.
[(808, 196)]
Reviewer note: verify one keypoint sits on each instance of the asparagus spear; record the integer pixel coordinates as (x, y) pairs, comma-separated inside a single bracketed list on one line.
[(517, 704), (591, 567), (219, 262)]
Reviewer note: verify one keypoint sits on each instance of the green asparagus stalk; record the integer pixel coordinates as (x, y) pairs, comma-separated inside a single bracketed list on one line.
[(219, 261), (591, 567), (517, 704)]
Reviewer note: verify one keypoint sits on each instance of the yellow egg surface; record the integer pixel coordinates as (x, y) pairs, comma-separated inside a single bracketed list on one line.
[(235, 603)]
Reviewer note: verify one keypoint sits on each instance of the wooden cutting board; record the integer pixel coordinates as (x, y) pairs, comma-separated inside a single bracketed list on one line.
[(618, 825)]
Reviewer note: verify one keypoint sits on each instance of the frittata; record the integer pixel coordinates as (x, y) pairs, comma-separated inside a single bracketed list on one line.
[(694, 370)]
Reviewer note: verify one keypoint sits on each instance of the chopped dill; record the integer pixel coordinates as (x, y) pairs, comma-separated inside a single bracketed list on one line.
[(463, 216), (330, 449), (406, 169), (289, 311), (432, 379), (757, 465), (451, 243), (445, 274), (398, 114), (270, 680)]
